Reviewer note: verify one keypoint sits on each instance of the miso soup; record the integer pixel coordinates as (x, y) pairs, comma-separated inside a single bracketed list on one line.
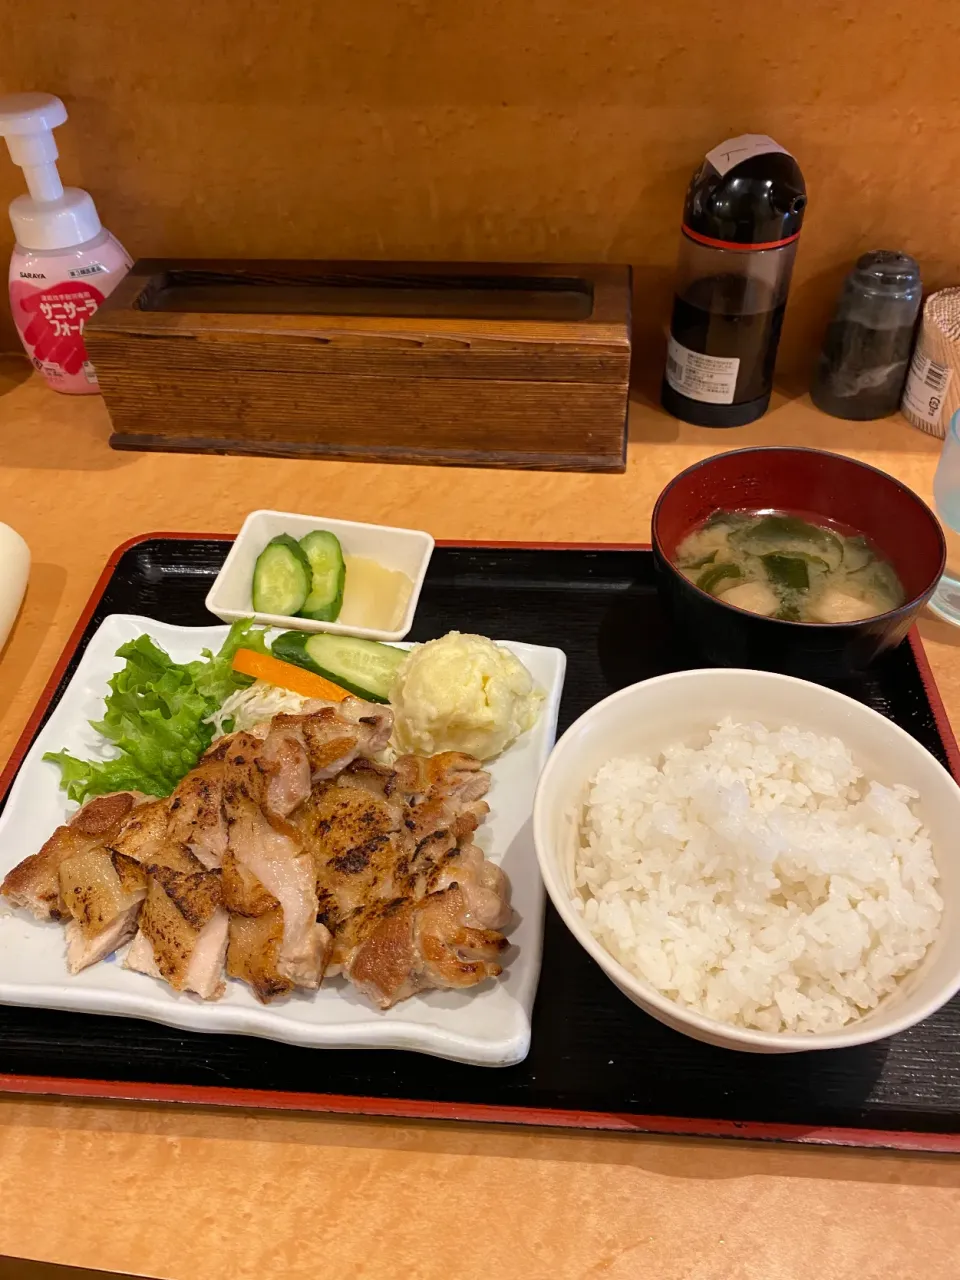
[(782, 566)]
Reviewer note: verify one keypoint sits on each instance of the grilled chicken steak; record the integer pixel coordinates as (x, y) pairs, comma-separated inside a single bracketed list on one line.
[(35, 882), (183, 931), (286, 853), (408, 907), (268, 856), (102, 890)]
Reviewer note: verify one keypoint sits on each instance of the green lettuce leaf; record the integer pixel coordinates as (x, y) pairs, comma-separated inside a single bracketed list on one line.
[(84, 778), (212, 673), (154, 714)]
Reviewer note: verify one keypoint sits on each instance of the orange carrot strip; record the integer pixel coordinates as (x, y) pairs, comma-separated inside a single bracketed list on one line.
[(263, 666)]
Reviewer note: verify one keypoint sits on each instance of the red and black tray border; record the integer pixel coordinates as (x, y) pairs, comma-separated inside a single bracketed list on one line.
[(423, 1109)]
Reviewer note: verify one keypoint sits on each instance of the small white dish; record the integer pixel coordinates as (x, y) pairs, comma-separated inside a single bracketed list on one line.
[(646, 718), (406, 550), (487, 1027)]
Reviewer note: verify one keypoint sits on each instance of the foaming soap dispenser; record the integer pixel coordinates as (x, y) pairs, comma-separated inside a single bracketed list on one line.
[(64, 263)]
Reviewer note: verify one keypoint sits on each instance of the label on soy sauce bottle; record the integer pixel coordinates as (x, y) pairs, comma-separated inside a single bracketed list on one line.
[(709, 379)]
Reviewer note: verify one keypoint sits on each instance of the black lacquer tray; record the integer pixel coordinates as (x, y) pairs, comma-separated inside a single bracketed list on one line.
[(596, 1061)]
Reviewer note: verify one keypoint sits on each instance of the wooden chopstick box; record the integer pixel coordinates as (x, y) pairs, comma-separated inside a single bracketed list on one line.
[(470, 364)]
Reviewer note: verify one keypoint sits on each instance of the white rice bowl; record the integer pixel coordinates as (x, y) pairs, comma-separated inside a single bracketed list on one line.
[(761, 880)]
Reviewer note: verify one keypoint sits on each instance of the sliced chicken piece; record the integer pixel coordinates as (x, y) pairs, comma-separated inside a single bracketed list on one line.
[(174, 857), (378, 779), (83, 951), (333, 734), (454, 954), (450, 773), (35, 882), (384, 966), (406, 916), (196, 812), (140, 957), (288, 774), (347, 825), (130, 873), (102, 891), (195, 894), (93, 892), (361, 856), (144, 838), (99, 816), (284, 759), (204, 972), (288, 875), (422, 945), (187, 929), (486, 893), (253, 953), (271, 852), (365, 726), (143, 832), (243, 894), (443, 816), (373, 721), (444, 793)]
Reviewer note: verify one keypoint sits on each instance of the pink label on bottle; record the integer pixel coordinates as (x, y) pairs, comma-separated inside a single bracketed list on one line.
[(51, 321)]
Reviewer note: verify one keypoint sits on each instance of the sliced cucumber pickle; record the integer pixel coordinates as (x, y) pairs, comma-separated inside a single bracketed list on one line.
[(328, 573), (281, 577), (365, 668)]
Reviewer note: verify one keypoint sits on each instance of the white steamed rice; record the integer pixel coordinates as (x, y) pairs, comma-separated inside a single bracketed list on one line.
[(761, 880)]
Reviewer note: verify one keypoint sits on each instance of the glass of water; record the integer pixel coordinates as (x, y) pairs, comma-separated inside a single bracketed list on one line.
[(945, 601)]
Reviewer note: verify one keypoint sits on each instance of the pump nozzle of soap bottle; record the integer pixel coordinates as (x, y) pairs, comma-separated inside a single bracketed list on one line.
[(64, 263)]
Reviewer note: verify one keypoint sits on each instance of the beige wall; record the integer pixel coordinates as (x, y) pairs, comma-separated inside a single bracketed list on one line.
[(512, 129)]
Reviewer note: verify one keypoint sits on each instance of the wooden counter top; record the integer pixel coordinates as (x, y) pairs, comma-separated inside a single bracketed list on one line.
[(187, 1193)]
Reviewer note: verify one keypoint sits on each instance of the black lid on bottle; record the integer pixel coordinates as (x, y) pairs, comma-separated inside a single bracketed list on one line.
[(759, 201)]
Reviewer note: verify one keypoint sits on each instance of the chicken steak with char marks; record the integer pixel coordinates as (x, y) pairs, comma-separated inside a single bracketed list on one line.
[(287, 851), (410, 902)]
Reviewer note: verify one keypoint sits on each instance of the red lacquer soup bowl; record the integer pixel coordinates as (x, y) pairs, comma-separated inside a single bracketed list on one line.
[(825, 488)]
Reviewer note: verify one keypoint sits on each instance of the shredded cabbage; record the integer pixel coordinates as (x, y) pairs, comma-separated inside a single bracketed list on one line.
[(247, 707)]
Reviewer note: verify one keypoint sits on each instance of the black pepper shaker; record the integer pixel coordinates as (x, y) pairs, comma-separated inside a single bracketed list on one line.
[(866, 350)]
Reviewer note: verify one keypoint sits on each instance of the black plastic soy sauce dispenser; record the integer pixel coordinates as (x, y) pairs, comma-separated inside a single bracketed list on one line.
[(741, 222)]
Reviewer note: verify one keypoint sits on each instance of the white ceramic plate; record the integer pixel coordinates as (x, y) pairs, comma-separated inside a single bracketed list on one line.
[(489, 1026)]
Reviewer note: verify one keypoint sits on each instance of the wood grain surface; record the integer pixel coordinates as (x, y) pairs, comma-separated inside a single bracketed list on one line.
[(506, 365), (173, 1192)]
